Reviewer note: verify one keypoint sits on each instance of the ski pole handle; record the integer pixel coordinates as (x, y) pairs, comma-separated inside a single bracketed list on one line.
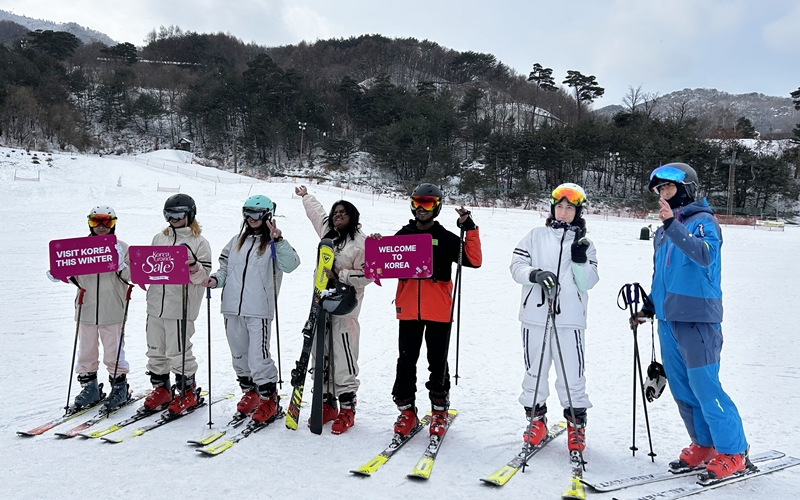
[(80, 296)]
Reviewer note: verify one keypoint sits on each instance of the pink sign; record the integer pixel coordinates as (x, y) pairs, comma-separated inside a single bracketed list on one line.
[(407, 256), (161, 265), (86, 255)]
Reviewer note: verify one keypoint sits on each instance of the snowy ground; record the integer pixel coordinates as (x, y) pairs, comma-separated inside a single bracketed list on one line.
[(759, 369)]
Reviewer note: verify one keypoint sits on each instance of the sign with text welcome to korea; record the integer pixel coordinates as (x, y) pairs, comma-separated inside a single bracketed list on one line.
[(406, 256)]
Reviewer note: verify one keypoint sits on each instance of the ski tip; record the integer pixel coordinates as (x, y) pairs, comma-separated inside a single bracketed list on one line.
[(576, 491)]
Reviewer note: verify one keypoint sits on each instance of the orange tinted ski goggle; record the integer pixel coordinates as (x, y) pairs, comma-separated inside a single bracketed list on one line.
[(108, 221), (426, 203), (573, 196)]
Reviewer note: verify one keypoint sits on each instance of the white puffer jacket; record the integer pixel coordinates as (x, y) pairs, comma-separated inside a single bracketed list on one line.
[(540, 249), (246, 276)]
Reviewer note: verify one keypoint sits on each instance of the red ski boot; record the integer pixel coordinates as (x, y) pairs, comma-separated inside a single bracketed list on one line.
[(249, 402), (724, 465), (576, 429), (330, 409), (268, 407), (407, 421), (693, 457), (537, 431), (347, 416), (161, 395), (184, 401)]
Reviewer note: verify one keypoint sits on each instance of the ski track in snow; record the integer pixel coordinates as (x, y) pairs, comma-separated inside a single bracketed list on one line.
[(759, 368)]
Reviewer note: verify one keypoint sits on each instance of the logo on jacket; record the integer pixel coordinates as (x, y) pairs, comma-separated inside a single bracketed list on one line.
[(701, 231)]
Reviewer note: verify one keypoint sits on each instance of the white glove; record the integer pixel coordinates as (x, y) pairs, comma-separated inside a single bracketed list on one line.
[(52, 278), (121, 257)]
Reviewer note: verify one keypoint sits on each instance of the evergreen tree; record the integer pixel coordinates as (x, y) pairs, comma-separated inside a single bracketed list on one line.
[(585, 88)]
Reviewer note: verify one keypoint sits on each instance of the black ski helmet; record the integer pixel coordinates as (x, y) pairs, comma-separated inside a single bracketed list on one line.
[(342, 301), (430, 190), (181, 203), (678, 174)]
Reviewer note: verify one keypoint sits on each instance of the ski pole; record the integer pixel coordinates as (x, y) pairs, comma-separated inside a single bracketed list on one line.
[(75, 346), (185, 300), (630, 294), (208, 302), (457, 296), (122, 329), (277, 323)]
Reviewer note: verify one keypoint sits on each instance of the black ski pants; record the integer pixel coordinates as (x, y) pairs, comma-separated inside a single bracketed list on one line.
[(437, 340)]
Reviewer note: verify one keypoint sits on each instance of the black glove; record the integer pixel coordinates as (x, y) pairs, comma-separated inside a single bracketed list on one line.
[(546, 279), (579, 246), (467, 225)]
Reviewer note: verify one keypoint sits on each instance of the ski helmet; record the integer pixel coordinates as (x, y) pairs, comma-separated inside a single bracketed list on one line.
[(341, 301), (180, 203), (679, 174), (259, 207), (573, 193), (427, 195), (102, 214)]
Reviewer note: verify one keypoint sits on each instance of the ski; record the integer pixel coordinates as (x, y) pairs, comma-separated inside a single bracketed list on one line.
[(140, 414), (423, 468), (100, 416), (71, 413), (324, 261), (502, 475), (692, 489), (167, 417), (398, 440), (576, 490), (235, 421), (251, 428), (627, 482)]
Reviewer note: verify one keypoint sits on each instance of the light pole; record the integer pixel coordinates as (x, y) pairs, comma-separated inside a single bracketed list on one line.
[(731, 179), (302, 127)]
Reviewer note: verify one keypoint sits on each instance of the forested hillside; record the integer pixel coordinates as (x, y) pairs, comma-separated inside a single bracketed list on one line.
[(414, 109)]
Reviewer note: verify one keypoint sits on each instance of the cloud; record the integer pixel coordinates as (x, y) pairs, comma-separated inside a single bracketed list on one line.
[(306, 24), (783, 34)]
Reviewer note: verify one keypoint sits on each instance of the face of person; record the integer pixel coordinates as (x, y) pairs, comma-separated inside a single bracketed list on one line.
[(176, 223), (255, 223), (667, 190), (423, 215), (340, 217), (101, 230), (565, 211)]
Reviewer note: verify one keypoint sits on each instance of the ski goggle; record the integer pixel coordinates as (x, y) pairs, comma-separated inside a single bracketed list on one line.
[(177, 213), (664, 175), (426, 203), (108, 221), (572, 195), (257, 214)]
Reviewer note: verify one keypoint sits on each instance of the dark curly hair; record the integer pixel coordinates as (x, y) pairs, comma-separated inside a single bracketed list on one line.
[(340, 237)]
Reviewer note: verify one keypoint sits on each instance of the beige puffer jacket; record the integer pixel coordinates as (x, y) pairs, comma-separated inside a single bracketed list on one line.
[(104, 300), (349, 261), (165, 301)]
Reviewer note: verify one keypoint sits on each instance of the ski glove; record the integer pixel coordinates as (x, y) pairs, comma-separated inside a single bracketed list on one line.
[(121, 255), (579, 247), (546, 279), (467, 225)]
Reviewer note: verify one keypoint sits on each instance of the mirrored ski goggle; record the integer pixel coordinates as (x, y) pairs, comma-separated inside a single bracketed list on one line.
[(175, 214), (108, 221), (257, 214), (573, 196), (665, 175), (426, 203)]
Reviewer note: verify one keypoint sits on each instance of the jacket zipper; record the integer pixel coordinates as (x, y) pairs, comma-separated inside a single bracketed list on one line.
[(244, 275)]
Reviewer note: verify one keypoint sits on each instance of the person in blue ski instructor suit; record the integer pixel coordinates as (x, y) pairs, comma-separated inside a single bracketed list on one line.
[(687, 302)]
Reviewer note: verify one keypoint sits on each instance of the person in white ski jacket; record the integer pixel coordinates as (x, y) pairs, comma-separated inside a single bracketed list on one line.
[(556, 257), (100, 320), (341, 225), (249, 289), (166, 310)]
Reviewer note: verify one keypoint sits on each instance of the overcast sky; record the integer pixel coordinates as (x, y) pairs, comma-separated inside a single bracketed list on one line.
[(737, 46)]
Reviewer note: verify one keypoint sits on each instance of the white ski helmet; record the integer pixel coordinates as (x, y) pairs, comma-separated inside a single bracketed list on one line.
[(103, 210)]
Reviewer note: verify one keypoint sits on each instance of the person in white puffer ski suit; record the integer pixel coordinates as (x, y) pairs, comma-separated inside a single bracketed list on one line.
[(101, 320), (342, 226), (245, 274), (557, 256), (165, 311)]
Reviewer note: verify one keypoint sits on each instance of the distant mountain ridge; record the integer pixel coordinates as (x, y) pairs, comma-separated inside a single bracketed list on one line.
[(769, 114), (85, 35)]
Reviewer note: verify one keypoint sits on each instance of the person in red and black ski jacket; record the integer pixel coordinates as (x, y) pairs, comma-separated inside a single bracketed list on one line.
[(424, 308)]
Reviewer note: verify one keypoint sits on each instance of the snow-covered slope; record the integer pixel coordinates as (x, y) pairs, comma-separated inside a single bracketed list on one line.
[(759, 368)]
